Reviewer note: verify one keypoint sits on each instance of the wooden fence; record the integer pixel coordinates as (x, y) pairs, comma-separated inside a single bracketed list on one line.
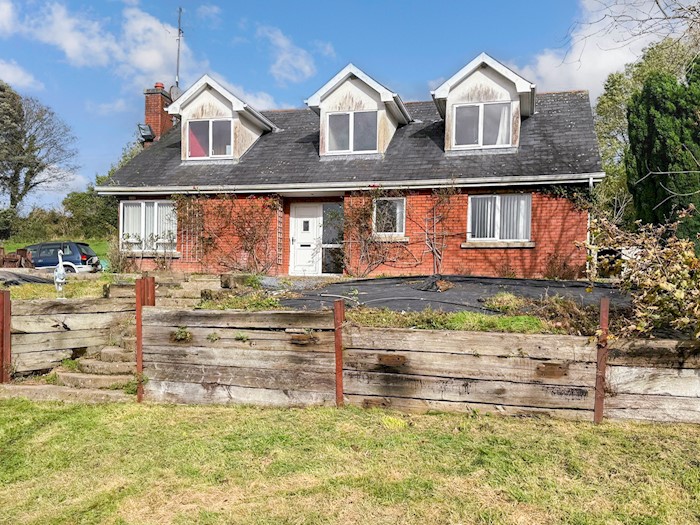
[(44, 331), (287, 359), (269, 358)]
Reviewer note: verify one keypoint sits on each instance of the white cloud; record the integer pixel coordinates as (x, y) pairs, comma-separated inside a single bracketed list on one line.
[(435, 83), (83, 41), (325, 49), (257, 99), (209, 12), (8, 18), (18, 77), (594, 52), (107, 108), (292, 63)]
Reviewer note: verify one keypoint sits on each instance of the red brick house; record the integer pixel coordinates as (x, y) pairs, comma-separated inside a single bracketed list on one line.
[(363, 183)]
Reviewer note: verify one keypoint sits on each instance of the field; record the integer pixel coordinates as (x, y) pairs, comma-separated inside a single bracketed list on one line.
[(130, 464)]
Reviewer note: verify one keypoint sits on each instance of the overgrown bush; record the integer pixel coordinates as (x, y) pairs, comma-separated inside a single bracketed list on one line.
[(558, 267), (661, 273), (120, 260)]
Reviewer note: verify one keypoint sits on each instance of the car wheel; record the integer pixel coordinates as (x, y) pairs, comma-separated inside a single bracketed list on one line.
[(69, 269)]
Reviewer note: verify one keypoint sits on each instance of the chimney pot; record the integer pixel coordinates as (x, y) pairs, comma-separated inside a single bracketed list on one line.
[(159, 85)]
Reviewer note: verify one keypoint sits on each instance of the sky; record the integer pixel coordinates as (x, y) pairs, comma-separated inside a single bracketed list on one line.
[(91, 60)]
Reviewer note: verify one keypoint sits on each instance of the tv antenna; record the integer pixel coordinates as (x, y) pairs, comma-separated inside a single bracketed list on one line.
[(179, 38)]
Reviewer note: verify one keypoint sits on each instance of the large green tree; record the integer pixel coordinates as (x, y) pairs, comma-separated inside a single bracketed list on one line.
[(36, 146), (663, 172), (668, 56)]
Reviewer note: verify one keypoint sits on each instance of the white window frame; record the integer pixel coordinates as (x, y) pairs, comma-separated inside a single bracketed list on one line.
[(480, 144), (402, 233), (211, 142), (497, 220), (351, 140), (134, 244)]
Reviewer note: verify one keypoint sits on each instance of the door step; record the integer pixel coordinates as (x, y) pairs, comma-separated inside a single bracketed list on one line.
[(116, 354), (115, 368), (63, 393), (79, 380)]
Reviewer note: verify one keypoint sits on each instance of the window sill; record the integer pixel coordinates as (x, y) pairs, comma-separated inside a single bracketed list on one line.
[(390, 238), (462, 151), (497, 244), (362, 155), (153, 255)]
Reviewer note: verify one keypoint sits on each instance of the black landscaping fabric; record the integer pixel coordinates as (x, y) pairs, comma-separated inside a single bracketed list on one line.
[(467, 293)]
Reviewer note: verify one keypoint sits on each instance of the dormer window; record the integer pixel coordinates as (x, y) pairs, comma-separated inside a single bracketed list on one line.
[(352, 132), (485, 125), (210, 138)]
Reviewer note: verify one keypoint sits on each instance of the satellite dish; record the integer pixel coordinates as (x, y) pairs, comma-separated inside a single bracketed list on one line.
[(175, 93)]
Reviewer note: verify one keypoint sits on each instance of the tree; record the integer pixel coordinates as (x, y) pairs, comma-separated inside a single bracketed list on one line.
[(36, 146), (663, 172), (96, 215), (669, 56)]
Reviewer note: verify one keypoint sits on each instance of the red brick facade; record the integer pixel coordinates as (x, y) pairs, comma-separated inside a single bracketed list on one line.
[(556, 230), (157, 99)]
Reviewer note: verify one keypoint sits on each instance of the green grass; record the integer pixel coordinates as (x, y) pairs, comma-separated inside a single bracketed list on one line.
[(154, 464), (436, 320), (256, 300)]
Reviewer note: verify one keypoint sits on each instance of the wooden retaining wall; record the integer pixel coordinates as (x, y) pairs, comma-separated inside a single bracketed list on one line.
[(266, 358), (46, 331), (287, 359)]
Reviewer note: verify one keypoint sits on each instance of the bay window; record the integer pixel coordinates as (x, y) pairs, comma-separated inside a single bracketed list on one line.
[(482, 125), (390, 216), (148, 226), (499, 217), (209, 138), (353, 131)]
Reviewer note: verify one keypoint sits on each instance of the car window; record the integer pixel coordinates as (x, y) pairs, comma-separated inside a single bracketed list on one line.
[(86, 250), (48, 250), (67, 249)]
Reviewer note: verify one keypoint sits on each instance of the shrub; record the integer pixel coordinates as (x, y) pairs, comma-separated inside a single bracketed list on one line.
[(558, 267)]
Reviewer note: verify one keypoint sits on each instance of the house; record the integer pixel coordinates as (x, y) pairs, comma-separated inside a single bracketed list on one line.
[(474, 181)]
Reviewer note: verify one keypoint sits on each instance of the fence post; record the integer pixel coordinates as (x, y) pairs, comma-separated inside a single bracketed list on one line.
[(5, 336), (601, 361), (140, 300), (339, 320)]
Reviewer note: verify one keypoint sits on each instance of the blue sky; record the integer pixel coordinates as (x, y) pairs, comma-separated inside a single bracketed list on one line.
[(90, 61)]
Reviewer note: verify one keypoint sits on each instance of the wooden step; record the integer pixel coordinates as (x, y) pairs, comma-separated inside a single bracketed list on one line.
[(104, 368), (129, 343), (80, 380), (116, 354), (63, 393)]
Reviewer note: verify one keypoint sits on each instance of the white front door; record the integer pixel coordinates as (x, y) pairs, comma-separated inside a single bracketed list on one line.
[(305, 236)]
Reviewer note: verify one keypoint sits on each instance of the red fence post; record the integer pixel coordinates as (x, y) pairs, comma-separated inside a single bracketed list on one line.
[(339, 320), (5, 336), (140, 300), (602, 361), (150, 293)]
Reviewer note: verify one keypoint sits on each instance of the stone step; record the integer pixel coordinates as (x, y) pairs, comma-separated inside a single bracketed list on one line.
[(129, 343), (63, 393), (80, 380), (116, 354), (114, 368)]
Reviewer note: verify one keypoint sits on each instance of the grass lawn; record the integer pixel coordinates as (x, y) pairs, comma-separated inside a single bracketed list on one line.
[(75, 289), (130, 464)]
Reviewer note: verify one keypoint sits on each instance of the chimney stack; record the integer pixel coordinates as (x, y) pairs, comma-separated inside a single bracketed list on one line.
[(157, 99)]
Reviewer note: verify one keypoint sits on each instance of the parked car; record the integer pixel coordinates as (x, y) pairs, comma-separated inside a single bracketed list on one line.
[(77, 256)]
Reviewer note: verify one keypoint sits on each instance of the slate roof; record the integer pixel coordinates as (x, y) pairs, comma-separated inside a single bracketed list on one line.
[(559, 139)]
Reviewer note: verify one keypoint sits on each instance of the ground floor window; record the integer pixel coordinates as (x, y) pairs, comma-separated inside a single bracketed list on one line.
[(148, 225), (504, 217), (390, 216)]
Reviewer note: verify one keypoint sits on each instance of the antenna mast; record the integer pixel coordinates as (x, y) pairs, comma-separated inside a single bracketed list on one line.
[(179, 38)]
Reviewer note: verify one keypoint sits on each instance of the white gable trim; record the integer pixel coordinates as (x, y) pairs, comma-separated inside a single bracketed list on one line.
[(525, 88), (392, 100), (237, 104)]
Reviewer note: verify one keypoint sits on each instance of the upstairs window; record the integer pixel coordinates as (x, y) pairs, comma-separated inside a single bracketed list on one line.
[(149, 226), (350, 132), (390, 216), (482, 125), (500, 217), (209, 139)]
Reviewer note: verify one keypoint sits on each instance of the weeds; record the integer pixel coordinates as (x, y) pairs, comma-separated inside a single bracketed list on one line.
[(181, 335), (253, 301), (72, 365)]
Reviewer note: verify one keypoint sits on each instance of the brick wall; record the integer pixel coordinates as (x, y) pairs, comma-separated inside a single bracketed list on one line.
[(157, 99), (556, 228)]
